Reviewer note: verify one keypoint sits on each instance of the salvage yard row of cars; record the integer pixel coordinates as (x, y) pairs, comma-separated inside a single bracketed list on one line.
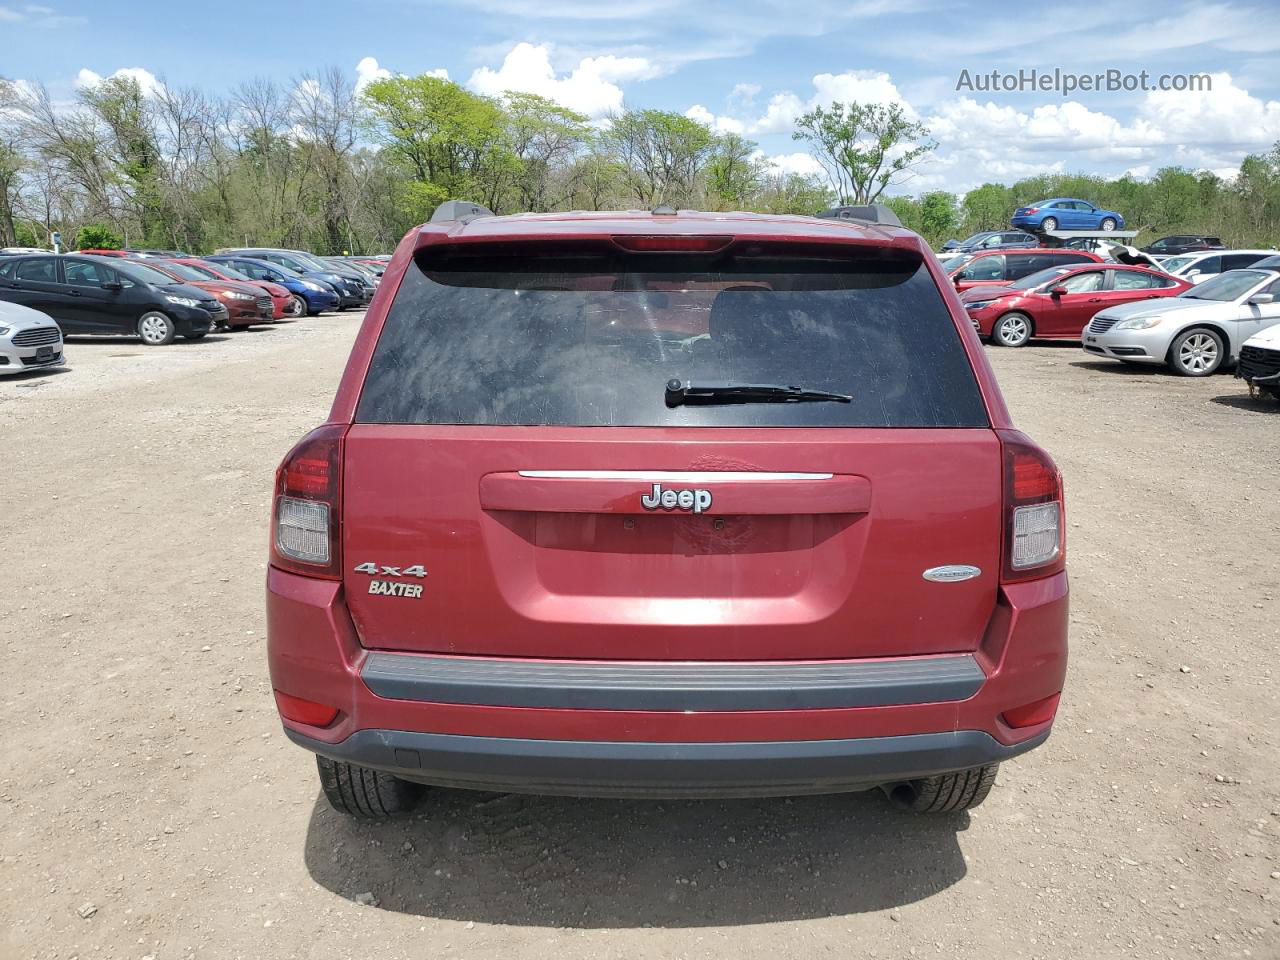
[(1184, 301), (160, 295)]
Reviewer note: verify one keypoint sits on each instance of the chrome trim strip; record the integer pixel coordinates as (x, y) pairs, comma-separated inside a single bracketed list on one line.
[(674, 476)]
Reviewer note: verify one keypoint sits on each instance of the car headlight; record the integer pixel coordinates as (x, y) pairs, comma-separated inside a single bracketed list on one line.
[(231, 294), (4, 331), (1139, 323), (183, 301), (311, 285), (978, 304)]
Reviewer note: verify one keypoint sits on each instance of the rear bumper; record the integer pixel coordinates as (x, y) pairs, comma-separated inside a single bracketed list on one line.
[(621, 769), (602, 727)]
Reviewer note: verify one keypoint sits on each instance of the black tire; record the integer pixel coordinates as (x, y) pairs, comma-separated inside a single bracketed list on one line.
[(297, 307), (1013, 329), (947, 792), (156, 329), (1108, 224), (1049, 223), (366, 794), (1198, 352)]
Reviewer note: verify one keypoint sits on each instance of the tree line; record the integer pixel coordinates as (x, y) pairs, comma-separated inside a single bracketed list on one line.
[(321, 165)]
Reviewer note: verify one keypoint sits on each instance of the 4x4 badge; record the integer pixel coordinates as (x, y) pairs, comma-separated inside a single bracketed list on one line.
[(659, 499)]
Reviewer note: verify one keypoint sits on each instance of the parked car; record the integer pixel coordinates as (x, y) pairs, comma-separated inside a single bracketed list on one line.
[(366, 272), (1183, 243), (991, 240), (1194, 333), (97, 295), (145, 253), (1259, 364), (245, 303), (282, 301), (987, 269), (352, 289), (311, 295), (1198, 267), (1057, 303), (94, 252), (592, 552), (29, 339), (1065, 213)]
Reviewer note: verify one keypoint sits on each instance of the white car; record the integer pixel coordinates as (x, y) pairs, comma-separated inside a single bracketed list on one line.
[(1198, 267), (1196, 332), (1260, 362), (29, 339)]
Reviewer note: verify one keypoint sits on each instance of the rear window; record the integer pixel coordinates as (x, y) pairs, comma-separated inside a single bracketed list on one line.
[(593, 340)]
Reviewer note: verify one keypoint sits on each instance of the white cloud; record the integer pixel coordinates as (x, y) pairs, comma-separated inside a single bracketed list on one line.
[(591, 87), (35, 15), (788, 163), (718, 124), (368, 70), (784, 108), (145, 79)]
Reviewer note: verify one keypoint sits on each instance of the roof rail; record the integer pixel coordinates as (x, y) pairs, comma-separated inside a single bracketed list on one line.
[(867, 212), (461, 210)]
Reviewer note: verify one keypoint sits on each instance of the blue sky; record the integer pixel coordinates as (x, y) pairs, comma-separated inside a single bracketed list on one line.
[(749, 66)]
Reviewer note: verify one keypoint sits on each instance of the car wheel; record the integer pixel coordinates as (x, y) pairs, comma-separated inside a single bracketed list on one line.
[(947, 792), (156, 329), (1049, 223), (366, 794), (1196, 353), (297, 307), (1108, 224), (1011, 330)]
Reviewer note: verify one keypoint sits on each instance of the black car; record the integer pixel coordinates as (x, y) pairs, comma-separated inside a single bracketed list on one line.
[(1183, 243), (108, 295), (991, 240)]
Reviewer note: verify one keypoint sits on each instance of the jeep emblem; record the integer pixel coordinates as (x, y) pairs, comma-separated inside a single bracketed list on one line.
[(659, 499)]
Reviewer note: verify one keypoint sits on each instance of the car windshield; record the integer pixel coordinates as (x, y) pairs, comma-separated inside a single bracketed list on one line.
[(144, 274), (187, 272), (975, 238), (955, 262), (593, 339), (1033, 280), (1227, 286), (1174, 264), (230, 273), (314, 263)]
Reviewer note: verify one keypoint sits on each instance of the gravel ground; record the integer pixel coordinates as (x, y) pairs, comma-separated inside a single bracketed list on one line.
[(150, 807)]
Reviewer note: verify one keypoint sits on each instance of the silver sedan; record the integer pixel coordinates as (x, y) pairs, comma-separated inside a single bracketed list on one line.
[(1196, 332)]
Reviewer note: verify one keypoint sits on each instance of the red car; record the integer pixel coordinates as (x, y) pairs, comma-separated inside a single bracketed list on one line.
[(669, 504), (246, 303), (1005, 266), (282, 301), (1057, 304)]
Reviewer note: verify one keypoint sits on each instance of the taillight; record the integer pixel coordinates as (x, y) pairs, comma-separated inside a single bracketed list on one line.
[(1034, 536), (1031, 210), (307, 508)]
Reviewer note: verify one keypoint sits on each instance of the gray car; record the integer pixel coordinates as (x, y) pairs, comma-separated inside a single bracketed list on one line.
[(29, 339), (1196, 332)]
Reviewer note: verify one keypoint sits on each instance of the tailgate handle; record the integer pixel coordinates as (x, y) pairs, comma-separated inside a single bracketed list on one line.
[(712, 492)]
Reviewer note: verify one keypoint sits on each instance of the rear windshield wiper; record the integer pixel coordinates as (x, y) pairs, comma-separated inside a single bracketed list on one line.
[(688, 392)]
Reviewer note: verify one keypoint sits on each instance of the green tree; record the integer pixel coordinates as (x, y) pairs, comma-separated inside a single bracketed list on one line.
[(662, 155), (94, 236), (545, 138), (864, 147), (733, 172)]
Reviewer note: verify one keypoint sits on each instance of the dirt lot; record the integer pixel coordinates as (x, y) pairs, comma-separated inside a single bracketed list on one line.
[(150, 807)]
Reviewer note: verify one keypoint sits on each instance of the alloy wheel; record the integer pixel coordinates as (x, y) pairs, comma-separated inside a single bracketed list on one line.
[(1198, 353), (1012, 330)]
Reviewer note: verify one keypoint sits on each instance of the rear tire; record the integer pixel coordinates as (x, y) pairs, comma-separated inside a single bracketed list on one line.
[(156, 329), (366, 794), (947, 792), (1049, 223), (1011, 330)]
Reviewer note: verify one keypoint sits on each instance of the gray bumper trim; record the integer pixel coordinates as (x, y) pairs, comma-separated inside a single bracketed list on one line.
[(654, 686), (593, 768)]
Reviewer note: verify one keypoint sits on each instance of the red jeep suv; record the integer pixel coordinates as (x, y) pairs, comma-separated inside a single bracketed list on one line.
[(666, 504)]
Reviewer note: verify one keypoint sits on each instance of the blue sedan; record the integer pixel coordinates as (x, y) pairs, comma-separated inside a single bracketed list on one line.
[(314, 294), (1064, 213)]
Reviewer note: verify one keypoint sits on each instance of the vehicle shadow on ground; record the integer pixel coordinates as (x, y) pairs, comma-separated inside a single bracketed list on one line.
[(560, 862), (34, 376), (1242, 401), (134, 346), (1125, 369)]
